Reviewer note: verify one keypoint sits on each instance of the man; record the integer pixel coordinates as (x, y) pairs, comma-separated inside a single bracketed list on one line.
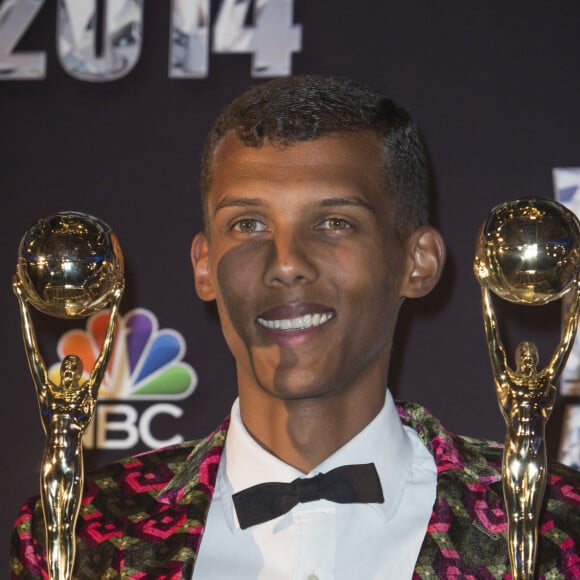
[(315, 195)]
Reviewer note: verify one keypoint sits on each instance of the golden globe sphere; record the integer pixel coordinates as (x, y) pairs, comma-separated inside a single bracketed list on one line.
[(68, 264), (528, 250)]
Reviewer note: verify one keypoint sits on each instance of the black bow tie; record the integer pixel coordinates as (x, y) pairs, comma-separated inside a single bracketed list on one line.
[(348, 484)]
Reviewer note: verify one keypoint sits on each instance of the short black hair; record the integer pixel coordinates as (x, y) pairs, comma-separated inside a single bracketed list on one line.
[(288, 110)]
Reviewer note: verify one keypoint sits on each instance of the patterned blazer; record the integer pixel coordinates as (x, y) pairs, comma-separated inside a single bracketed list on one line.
[(143, 517)]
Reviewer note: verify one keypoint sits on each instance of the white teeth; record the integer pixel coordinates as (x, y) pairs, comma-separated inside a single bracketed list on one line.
[(300, 322)]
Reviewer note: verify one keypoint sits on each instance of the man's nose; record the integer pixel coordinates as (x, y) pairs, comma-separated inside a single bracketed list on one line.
[(290, 260)]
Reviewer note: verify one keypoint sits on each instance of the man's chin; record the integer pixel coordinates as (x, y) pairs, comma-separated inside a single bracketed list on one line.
[(295, 390)]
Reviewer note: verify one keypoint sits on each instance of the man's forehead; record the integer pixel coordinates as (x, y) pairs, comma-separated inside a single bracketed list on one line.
[(339, 156), (336, 165)]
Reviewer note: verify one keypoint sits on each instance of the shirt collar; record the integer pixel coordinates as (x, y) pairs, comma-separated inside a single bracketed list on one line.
[(383, 442)]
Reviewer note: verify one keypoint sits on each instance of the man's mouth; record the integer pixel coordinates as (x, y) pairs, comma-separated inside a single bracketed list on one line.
[(297, 323)]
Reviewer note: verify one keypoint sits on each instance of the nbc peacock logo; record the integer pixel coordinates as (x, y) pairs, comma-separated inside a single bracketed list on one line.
[(146, 366)]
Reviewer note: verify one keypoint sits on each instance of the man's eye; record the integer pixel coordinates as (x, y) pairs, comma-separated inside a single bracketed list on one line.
[(334, 224), (249, 226)]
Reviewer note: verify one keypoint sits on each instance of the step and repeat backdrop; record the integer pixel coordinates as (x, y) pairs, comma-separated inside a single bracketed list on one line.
[(104, 105)]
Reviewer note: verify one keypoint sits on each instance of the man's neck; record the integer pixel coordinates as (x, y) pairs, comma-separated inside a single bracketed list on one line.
[(304, 432)]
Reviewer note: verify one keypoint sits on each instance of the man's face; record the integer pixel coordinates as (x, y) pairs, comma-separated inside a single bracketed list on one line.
[(302, 256)]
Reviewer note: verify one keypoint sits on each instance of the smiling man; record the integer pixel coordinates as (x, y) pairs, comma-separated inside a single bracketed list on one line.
[(304, 254), (315, 196), (309, 260)]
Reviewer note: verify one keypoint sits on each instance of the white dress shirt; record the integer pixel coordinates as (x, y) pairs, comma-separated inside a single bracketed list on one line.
[(323, 540)]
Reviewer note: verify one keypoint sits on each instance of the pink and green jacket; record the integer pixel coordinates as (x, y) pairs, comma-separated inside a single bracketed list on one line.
[(143, 518)]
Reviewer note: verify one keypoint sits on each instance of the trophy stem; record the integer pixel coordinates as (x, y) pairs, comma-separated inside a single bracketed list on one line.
[(61, 493), (524, 476)]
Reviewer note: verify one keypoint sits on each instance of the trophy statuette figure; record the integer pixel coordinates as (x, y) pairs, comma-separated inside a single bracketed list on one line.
[(70, 265), (528, 252)]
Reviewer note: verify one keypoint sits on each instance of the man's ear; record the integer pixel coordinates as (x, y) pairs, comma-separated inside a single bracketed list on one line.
[(425, 259), (201, 268)]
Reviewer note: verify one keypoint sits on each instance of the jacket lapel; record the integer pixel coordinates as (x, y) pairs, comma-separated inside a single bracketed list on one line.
[(466, 535), (165, 538)]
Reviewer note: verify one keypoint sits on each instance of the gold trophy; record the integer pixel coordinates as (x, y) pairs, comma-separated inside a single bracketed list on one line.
[(528, 252), (70, 265)]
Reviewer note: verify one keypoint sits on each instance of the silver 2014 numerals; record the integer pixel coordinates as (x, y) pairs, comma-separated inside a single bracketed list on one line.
[(107, 52)]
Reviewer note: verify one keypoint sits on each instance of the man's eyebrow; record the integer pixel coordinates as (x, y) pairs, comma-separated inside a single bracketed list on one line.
[(345, 201), (325, 203), (240, 202)]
